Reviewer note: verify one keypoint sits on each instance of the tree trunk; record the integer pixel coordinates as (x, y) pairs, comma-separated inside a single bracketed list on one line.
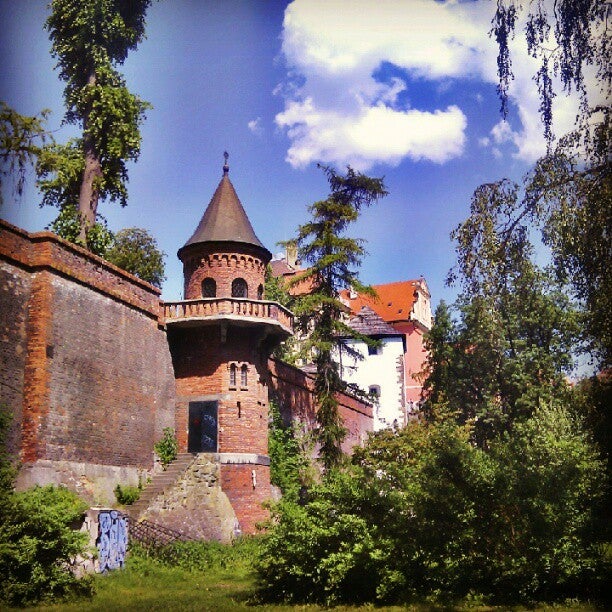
[(89, 193)]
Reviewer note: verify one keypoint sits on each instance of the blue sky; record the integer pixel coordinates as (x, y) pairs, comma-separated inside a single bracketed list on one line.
[(403, 89)]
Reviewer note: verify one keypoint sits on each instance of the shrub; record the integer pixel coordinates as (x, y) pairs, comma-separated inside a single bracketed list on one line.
[(167, 447), (423, 512), (38, 543), (290, 450), (127, 494)]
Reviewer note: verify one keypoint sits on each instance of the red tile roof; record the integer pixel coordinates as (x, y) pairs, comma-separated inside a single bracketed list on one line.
[(394, 302)]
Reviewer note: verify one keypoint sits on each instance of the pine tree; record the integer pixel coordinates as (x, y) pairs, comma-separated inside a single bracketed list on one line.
[(334, 259)]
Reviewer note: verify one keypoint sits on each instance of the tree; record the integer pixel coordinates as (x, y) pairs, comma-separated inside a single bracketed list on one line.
[(568, 193), (90, 39), (68, 225), (21, 140), (566, 41), (136, 251), (334, 258), (511, 347), (568, 196)]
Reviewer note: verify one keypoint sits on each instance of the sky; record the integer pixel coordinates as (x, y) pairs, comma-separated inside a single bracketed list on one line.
[(404, 89)]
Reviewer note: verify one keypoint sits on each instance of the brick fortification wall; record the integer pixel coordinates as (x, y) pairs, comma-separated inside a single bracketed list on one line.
[(85, 367), (293, 390)]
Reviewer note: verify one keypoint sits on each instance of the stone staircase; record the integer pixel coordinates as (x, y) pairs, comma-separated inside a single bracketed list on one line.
[(160, 483)]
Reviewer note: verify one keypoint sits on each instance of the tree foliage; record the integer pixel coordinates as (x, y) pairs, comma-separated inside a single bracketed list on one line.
[(67, 225), (136, 251), (511, 347), (334, 258), (567, 38), (90, 39), (22, 138), (424, 513), (568, 196)]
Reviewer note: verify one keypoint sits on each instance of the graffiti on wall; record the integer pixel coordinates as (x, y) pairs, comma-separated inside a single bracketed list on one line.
[(112, 539)]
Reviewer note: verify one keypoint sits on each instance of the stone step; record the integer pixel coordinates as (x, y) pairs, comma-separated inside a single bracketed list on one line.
[(160, 482)]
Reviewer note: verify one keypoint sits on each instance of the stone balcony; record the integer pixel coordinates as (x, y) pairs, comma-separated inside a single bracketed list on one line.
[(233, 311)]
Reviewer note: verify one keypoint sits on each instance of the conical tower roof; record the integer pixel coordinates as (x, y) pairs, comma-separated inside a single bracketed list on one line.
[(225, 220)]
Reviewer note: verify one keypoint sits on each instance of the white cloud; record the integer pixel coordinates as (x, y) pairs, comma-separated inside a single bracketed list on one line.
[(336, 111), (255, 126), (379, 135)]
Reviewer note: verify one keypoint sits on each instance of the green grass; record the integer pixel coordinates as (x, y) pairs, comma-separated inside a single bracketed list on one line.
[(223, 580)]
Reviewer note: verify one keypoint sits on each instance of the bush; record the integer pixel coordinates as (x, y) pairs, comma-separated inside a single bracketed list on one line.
[(127, 494), (136, 251), (291, 467), (38, 543), (425, 513), (167, 447)]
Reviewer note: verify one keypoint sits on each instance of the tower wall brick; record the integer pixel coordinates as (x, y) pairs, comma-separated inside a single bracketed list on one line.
[(223, 265)]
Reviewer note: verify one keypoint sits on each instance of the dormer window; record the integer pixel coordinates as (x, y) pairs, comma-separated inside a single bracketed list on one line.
[(209, 288), (239, 288)]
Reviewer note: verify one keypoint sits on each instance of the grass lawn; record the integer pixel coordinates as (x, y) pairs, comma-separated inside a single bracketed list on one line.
[(148, 585)]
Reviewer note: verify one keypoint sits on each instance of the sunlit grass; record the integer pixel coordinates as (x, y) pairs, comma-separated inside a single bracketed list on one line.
[(224, 581)]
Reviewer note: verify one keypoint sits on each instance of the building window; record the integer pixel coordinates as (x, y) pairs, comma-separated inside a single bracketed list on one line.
[(239, 288), (260, 292), (374, 350), (244, 376), (232, 375), (209, 288), (374, 391)]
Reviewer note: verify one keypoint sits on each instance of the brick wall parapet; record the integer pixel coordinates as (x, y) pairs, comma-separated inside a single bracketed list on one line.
[(46, 251), (297, 378)]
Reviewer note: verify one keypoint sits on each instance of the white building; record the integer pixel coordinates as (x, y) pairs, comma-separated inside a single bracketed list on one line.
[(378, 371)]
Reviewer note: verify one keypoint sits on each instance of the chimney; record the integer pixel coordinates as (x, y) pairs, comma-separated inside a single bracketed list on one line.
[(291, 252)]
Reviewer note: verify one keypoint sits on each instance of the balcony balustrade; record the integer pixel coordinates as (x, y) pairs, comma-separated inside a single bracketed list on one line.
[(242, 311)]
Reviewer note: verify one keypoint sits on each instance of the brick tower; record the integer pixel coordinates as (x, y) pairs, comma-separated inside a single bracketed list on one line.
[(220, 337)]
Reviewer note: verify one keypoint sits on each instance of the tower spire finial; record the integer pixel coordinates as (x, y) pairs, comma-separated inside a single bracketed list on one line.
[(225, 165)]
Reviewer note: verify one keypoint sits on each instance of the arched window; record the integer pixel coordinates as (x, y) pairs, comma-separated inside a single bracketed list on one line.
[(239, 288), (260, 292), (244, 376), (209, 288), (232, 380)]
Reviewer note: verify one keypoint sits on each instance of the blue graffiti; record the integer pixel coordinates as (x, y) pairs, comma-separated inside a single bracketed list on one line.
[(112, 540)]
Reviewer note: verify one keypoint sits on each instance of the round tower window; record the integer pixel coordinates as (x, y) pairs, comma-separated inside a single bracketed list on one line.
[(209, 288), (239, 288)]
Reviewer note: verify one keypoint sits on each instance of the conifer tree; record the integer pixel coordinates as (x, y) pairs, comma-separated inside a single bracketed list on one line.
[(334, 258)]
